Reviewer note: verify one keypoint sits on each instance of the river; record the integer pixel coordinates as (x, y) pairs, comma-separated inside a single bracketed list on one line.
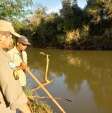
[(82, 79)]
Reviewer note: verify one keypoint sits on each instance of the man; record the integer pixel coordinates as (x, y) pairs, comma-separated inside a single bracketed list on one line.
[(9, 87), (18, 59)]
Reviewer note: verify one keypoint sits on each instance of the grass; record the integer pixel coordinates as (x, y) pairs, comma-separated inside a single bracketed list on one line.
[(36, 105)]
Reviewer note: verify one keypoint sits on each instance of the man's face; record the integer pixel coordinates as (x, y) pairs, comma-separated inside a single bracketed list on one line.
[(21, 46), (6, 39)]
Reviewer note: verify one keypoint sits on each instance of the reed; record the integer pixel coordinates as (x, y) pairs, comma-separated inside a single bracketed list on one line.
[(35, 104)]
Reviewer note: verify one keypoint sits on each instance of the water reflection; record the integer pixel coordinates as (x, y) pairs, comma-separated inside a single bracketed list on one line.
[(85, 77), (84, 99)]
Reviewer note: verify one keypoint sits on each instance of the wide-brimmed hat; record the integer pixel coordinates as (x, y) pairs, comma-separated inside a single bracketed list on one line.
[(24, 40), (7, 26)]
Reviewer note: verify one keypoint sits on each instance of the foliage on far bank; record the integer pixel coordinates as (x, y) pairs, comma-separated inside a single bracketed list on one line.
[(13, 9), (73, 28)]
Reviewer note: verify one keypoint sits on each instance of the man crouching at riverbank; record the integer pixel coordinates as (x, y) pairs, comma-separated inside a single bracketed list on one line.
[(10, 88)]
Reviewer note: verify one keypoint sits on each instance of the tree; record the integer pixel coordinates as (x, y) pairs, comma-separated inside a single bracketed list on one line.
[(10, 9), (38, 16)]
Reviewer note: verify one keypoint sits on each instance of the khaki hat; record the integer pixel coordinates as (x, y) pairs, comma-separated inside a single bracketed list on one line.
[(7, 26), (23, 40)]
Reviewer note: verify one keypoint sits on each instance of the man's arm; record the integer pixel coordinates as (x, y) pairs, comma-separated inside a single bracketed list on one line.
[(12, 89)]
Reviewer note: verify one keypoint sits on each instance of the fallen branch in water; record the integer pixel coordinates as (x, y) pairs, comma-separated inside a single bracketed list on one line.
[(57, 98)]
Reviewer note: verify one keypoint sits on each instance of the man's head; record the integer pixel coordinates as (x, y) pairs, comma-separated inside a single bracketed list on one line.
[(22, 43), (6, 32), (5, 40)]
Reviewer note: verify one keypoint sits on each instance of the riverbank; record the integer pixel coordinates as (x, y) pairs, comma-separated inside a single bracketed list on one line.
[(36, 105)]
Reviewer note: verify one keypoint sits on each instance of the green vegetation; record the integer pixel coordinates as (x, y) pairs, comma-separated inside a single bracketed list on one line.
[(35, 104), (73, 28), (13, 9)]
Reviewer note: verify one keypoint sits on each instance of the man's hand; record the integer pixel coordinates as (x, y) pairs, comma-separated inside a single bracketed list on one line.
[(23, 66)]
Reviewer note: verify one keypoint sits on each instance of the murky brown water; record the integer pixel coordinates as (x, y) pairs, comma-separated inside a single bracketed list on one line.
[(83, 79)]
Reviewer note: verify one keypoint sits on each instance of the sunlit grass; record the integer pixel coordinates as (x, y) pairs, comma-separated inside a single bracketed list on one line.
[(36, 105)]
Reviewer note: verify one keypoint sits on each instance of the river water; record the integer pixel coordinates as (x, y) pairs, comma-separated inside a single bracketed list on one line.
[(82, 79)]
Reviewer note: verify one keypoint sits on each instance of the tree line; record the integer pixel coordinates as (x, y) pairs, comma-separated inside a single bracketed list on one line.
[(71, 28)]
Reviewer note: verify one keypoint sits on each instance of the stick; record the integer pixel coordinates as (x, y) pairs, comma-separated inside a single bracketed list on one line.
[(37, 88), (46, 91), (39, 97), (57, 98), (47, 66)]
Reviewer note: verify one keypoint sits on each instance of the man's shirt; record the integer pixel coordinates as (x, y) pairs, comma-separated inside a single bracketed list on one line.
[(10, 87), (16, 58)]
